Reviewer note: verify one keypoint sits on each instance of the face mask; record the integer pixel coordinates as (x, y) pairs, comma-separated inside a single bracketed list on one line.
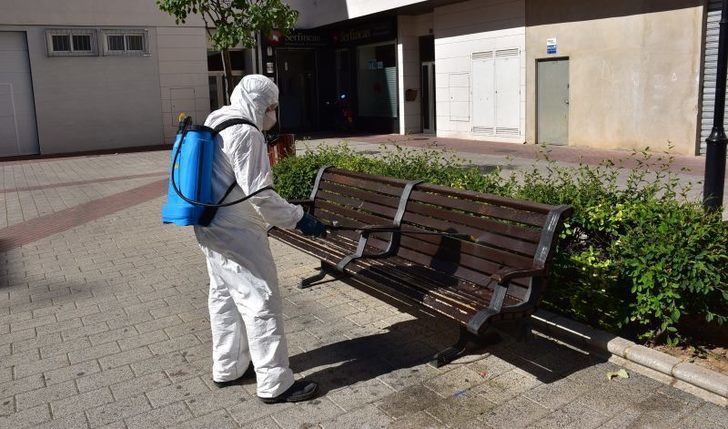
[(269, 120)]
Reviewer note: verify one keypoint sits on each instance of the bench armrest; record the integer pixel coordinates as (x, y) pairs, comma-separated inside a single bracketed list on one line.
[(505, 275), (365, 232), (501, 278)]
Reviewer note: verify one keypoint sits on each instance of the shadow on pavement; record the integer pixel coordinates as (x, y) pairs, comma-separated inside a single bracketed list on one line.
[(411, 343)]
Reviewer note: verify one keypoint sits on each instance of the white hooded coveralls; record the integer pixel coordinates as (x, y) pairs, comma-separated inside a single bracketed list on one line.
[(244, 301)]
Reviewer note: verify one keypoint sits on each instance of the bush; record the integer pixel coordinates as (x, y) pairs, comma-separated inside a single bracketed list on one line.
[(635, 259)]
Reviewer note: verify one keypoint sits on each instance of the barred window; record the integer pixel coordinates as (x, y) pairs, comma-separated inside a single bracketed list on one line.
[(125, 42), (71, 42)]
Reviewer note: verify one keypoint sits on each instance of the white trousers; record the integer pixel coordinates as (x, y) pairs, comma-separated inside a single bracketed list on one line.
[(246, 321)]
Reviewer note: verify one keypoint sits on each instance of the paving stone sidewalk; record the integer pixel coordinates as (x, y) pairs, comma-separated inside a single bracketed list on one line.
[(104, 324)]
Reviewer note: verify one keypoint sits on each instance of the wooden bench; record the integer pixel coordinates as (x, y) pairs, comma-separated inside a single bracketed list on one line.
[(473, 258)]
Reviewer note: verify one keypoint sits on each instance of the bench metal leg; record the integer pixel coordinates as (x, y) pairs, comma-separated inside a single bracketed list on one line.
[(526, 330), (460, 347), (453, 352), (323, 271)]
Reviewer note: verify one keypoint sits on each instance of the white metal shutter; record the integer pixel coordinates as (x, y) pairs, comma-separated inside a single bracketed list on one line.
[(710, 67), (18, 132), (507, 96), (483, 91)]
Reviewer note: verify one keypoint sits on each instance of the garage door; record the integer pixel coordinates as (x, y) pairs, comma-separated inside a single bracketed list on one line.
[(710, 67), (18, 133)]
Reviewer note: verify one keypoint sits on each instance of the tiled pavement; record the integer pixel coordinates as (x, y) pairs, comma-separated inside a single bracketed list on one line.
[(103, 323)]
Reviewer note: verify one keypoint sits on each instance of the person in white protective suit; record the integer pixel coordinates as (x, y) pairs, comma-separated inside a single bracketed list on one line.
[(244, 302)]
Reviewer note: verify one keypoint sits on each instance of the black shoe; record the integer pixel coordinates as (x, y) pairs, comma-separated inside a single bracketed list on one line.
[(249, 374), (301, 390)]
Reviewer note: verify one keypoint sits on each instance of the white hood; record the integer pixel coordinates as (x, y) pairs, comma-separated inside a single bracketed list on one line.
[(250, 99)]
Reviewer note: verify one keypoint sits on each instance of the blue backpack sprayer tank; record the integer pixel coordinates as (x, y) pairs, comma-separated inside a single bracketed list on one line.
[(189, 195)]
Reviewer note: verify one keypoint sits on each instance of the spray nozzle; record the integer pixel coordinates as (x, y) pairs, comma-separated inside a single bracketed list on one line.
[(184, 122)]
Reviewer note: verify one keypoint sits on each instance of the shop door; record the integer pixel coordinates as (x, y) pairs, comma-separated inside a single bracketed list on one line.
[(552, 99), (428, 97), (18, 132), (298, 94)]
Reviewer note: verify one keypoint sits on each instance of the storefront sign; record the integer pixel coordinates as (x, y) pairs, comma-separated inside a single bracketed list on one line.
[(365, 33), (551, 46), (296, 39)]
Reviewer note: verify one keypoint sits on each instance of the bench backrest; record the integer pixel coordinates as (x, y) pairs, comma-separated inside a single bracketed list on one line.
[(505, 233), (355, 200)]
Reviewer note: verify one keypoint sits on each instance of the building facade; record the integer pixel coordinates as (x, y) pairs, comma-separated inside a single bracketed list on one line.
[(613, 75), (96, 74), (92, 75)]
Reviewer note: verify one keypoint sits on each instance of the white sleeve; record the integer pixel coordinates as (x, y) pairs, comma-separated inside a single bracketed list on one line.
[(249, 158)]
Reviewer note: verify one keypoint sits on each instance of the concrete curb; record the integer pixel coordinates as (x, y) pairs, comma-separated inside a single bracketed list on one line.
[(677, 372)]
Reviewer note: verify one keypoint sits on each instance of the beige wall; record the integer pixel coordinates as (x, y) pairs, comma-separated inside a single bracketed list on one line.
[(90, 103), (634, 70), (85, 12), (460, 30), (108, 102), (183, 76)]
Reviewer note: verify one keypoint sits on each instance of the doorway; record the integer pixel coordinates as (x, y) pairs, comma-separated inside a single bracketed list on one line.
[(298, 99), (18, 131), (552, 101), (216, 80), (428, 97)]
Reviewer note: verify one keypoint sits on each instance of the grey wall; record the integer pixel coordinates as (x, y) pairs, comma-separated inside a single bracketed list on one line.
[(91, 103), (107, 102), (86, 12)]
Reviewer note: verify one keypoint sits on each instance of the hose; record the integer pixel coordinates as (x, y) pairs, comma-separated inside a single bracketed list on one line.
[(184, 128), (336, 227)]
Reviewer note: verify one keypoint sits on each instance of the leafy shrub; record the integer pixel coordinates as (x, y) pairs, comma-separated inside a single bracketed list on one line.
[(636, 259)]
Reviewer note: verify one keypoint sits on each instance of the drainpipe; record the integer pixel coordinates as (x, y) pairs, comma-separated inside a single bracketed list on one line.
[(716, 143)]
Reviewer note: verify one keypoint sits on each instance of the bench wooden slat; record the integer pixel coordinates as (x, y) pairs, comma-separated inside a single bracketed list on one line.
[(503, 235), (431, 280), (367, 206), (361, 194), (487, 198), (364, 218), (364, 184), (479, 208), (377, 241), (337, 250), (423, 249), (459, 271), (474, 270), (366, 177), (468, 282), (425, 299), (484, 249)]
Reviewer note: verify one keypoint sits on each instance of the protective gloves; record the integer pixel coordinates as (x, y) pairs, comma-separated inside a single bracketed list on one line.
[(309, 225)]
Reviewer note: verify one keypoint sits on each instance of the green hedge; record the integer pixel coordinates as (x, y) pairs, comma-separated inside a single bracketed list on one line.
[(636, 259)]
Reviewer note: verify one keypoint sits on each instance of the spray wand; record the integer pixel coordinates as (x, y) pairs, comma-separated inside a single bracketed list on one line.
[(334, 226)]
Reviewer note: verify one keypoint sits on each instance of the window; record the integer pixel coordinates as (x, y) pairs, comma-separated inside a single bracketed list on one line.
[(62, 43), (115, 43), (71, 42), (135, 42), (125, 42)]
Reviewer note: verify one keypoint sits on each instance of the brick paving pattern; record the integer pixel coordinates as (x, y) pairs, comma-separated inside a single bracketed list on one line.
[(103, 323)]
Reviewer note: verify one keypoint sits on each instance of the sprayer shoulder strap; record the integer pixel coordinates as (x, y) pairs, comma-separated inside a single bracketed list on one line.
[(234, 121), (227, 124), (209, 212)]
